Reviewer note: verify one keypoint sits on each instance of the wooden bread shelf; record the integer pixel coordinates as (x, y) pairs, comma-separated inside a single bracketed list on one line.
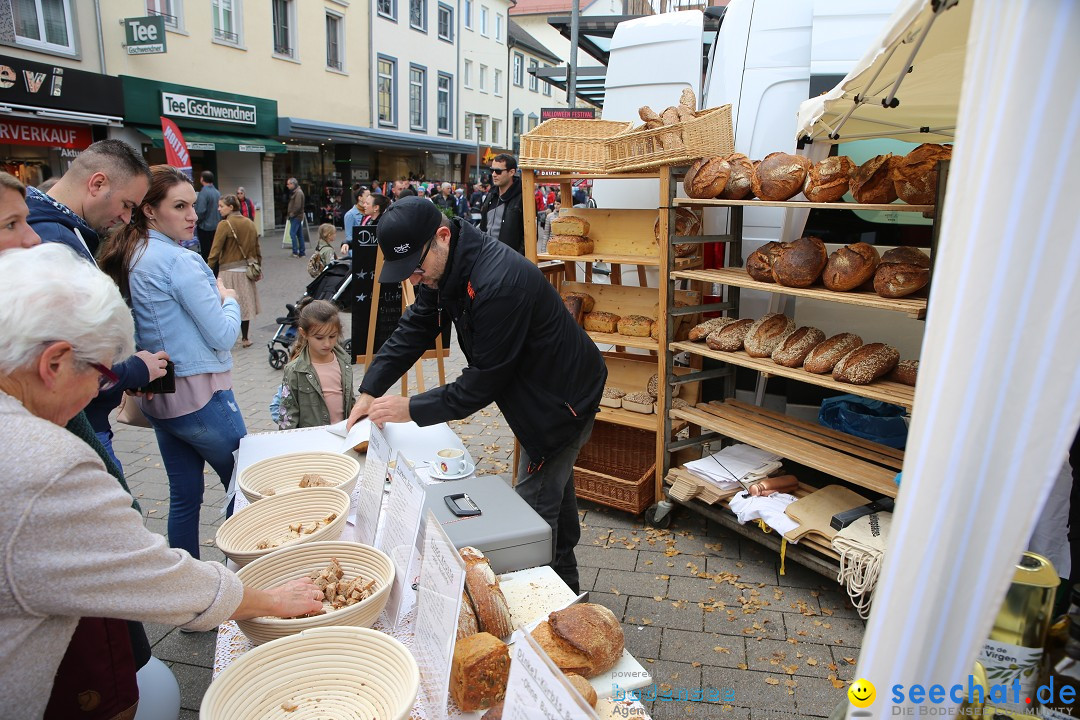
[(914, 307), (628, 418), (642, 343), (884, 390), (545, 177), (792, 440), (891, 207), (649, 260)]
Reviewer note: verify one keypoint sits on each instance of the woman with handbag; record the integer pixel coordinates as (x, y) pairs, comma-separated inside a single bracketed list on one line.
[(178, 308), (235, 257)]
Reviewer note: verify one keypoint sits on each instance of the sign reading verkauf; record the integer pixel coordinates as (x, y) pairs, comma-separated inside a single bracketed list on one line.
[(200, 108), (144, 35)]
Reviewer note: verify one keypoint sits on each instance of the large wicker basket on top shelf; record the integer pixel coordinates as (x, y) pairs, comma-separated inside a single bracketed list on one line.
[(569, 145), (707, 135), (617, 467)]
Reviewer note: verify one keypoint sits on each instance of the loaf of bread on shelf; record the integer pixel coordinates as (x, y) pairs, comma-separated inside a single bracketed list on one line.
[(850, 266), (575, 307), (741, 180), (897, 280), (678, 403), (865, 364), (829, 179), (482, 587), (730, 337), (569, 245), (584, 638), (759, 264), (707, 177), (600, 321), (588, 302), (905, 254), (792, 351), (700, 331), (635, 325), (872, 182), (570, 225), (466, 623), (612, 397), (823, 358), (479, 671), (780, 176), (799, 263), (639, 402), (687, 224), (653, 387), (915, 176), (906, 372), (766, 333)]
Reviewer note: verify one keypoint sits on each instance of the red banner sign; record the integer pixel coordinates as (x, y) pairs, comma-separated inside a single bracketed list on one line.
[(21, 132), (176, 150)]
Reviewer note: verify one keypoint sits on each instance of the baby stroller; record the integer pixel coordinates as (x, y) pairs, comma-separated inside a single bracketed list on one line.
[(331, 284)]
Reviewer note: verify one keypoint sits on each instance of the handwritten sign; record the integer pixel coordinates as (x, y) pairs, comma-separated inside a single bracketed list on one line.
[(442, 578), (537, 689), (370, 488), (397, 536)]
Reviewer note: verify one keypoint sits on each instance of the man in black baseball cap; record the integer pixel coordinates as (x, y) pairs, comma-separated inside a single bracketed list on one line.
[(525, 353)]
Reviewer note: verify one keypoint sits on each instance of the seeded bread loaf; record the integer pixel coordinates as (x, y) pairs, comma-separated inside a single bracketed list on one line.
[(865, 364), (635, 326), (639, 402), (823, 358), (612, 397), (765, 334), (600, 321), (730, 338), (849, 267), (569, 245), (653, 388), (482, 587), (570, 225), (700, 331), (479, 671), (796, 346), (906, 372)]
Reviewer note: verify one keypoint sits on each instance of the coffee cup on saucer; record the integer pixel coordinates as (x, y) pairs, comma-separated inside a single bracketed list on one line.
[(449, 461)]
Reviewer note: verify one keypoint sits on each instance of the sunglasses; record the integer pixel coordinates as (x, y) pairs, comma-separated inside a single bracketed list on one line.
[(423, 256), (500, 171), (108, 379)]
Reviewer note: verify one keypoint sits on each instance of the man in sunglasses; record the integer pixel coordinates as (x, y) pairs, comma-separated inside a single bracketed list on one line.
[(525, 353), (502, 217)]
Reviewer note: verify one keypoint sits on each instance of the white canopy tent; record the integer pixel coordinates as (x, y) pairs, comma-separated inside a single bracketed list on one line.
[(998, 400)]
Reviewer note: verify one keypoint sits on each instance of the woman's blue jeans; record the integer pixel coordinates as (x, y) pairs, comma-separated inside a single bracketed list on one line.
[(208, 435)]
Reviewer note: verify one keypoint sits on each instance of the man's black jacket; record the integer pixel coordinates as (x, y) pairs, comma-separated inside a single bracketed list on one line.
[(512, 230), (524, 350)]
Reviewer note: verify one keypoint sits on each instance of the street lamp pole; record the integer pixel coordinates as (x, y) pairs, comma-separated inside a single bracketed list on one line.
[(479, 124)]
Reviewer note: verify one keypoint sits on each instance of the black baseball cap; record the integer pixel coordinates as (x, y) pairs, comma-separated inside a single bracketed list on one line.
[(402, 231)]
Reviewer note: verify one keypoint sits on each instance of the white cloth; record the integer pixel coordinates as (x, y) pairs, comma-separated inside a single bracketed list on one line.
[(769, 508), (735, 462)]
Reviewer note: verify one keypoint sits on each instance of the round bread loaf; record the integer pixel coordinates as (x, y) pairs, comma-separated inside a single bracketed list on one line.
[(915, 176), (730, 337), (765, 334), (759, 264), (910, 255), (849, 267), (588, 302), (865, 364), (780, 176), (700, 331), (906, 372), (687, 224), (823, 358), (829, 179), (897, 280), (591, 630), (872, 182), (707, 178), (796, 346), (739, 184), (799, 263)]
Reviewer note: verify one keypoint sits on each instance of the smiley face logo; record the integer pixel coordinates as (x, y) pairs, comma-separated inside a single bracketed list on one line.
[(862, 693)]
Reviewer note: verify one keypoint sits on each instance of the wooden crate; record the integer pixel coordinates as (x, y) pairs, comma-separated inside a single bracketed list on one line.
[(617, 468)]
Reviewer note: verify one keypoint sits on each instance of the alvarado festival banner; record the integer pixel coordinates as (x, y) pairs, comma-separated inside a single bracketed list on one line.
[(176, 150)]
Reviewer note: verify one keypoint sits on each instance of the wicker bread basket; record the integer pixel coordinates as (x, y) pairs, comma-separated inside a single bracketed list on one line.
[(284, 472), (707, 135), (569, 145)]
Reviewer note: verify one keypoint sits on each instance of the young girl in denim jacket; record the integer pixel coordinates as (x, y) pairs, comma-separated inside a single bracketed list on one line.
[(316, 388)]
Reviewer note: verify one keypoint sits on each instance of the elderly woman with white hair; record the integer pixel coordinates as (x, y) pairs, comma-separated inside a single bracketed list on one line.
[(73, 544)]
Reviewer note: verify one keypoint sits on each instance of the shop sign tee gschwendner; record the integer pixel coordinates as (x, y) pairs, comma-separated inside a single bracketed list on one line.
[(200, 108)]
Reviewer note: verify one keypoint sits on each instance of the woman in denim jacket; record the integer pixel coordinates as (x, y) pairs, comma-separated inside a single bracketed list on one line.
[(180, 308), (316, 388)]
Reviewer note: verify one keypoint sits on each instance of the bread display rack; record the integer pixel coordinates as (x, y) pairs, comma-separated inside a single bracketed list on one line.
[(620, 466)]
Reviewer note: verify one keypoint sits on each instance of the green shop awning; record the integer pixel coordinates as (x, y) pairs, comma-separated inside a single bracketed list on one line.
[(197, 140)]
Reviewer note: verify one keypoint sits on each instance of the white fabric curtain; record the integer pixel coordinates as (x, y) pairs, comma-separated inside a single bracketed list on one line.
[(998, 400)]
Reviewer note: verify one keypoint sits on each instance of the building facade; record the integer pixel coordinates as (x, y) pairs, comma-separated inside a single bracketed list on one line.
[(529, 94), (484, 79)]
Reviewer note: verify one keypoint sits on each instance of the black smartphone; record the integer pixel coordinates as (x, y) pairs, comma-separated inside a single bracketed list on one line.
[(165, 384)]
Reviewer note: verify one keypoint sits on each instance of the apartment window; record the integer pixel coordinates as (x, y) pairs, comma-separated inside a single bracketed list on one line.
[(387, 84), (226, 20), (534, 82), (335, 40), (496, 131), (468, 74), (547, 85), (483, 20), (469, 120), (516, 125), (417, 97), (444, 103), (532, 122), (480, 130), (418, 14), (519, 69), (284, 16), (498, 27), (483, 78), (388, 9), (468, 13), (498, 81), (446, 23), (44, 24), (171, 10)]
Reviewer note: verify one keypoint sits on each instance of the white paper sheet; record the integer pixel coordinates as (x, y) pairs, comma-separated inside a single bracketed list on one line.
[(397, 537), (369, 490)]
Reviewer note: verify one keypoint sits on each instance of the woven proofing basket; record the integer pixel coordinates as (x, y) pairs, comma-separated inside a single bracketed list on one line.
[(617, 467), (337, 672), (284, 472), (269, 519), (569, 145), (301, 560), (707, 135)]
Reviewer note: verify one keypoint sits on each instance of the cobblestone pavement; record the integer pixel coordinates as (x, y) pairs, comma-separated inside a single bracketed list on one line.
[(701, 607)]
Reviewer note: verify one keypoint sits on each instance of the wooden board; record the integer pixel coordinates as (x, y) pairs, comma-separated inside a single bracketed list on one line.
[(619, 232), (914, 307), (814, 512), (892, 207), (627, 299)]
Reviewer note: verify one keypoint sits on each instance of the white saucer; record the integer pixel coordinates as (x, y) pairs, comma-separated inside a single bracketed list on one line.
[(469, 469)]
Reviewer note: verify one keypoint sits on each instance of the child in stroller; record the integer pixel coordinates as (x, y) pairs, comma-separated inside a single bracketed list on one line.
[(331, 284)]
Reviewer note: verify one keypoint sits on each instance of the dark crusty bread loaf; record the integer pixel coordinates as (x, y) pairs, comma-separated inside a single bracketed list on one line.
[(915, 176), (906, 372), (574, 307), (849, 267), (765, 334), (780, 176), (795, 347), (799, 263), (905, 254), (897, 280), (687, 224), (730, 337), (872, 182), (824, 357), (740, 183), (479, 671), (700, 331), (707, 178), (759, 264), (587, 300), (829, 179), (865, 364), (590, 630), (482, 587)]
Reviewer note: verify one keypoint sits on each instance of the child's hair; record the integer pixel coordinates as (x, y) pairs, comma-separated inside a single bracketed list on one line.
[(327, 232), (312, 314)]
